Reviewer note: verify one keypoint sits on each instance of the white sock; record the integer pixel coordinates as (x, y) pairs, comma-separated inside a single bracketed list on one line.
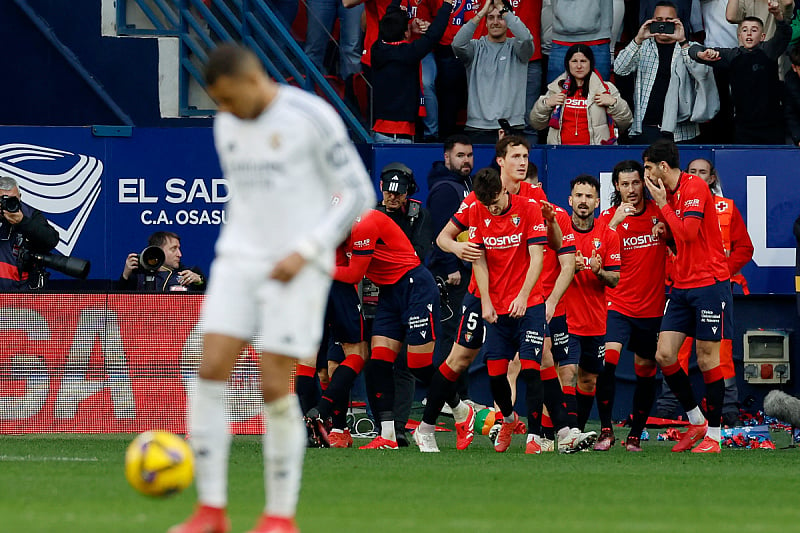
[(426, 428), (508, 419), (336, 430), (696, 417), (210, 441), (531, 437), (714, 433), (387, 430), (284, 449), (460, 412)]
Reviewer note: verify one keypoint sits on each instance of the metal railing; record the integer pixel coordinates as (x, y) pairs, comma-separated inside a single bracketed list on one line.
[(201, 25)]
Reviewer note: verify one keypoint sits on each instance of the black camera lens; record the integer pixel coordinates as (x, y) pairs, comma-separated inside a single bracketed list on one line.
[(9, 203)]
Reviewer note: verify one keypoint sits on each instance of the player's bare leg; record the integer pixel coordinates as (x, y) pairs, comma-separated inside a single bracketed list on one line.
[(283, 444), (669, 343), (210, 438)]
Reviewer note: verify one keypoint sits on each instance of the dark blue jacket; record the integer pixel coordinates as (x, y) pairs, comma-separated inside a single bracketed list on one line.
[(165, 280), (446, 191)]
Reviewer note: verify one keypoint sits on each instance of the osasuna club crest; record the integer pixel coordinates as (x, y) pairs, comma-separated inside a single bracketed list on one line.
[(596, 243), (515, 220)]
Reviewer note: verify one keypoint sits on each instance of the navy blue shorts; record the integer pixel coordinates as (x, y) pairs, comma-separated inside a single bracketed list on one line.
[(639, 335), (705, 313), (559, 335), (509, 335), (589, 351), (470, 327), (328, 350), (343, 315), (409, 310)]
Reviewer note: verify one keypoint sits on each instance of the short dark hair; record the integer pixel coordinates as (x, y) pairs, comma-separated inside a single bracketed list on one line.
[(754, 19), (229, 60), (160, 238), (665, 3), (392, 27), (794, 55), (458, 138), (623, 166), (501, 147), (533, 171), (585, 179), (487, 185), (663, 150)]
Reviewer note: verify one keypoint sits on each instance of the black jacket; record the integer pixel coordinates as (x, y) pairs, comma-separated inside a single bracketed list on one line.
[(755, 86), (395, 71), (33, 233), (415, 221), (791, 105), (446, 191)]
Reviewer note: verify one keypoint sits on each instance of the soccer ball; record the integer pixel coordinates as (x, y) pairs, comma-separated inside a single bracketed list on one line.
[(159, 463)]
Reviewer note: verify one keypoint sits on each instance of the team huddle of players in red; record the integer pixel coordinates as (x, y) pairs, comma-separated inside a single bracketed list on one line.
[(565, 293)]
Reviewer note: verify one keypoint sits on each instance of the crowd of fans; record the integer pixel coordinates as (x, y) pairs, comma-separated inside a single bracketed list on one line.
[(691, 71)]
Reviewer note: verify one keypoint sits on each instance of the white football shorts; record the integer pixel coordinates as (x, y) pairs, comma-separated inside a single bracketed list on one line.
[(281, 318)]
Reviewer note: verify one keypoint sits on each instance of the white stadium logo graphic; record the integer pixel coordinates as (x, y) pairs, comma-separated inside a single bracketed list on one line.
[(67, 183)]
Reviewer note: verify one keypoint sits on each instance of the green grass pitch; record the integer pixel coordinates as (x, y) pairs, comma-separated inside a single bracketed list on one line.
[(75, 483)]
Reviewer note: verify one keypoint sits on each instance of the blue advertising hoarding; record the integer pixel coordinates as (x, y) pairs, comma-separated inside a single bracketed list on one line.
[(106, 195)]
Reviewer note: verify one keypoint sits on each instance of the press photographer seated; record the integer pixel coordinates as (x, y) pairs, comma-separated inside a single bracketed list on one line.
[(159, 269), (22, 228)]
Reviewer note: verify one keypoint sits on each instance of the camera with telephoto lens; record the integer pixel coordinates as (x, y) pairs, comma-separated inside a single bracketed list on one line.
[(38, 262), (151, 259), (9, 203)]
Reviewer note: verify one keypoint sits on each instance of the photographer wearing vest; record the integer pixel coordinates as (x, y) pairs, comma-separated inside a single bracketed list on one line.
[(22, 229)]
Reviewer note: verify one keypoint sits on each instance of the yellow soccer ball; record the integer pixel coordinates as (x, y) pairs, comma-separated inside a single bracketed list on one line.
[(159, 463)]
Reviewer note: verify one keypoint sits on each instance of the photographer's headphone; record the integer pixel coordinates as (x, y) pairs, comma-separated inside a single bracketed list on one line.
[(400, 169)]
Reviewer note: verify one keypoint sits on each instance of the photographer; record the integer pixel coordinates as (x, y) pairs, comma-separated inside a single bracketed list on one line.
[(171, 276), (22, 228)]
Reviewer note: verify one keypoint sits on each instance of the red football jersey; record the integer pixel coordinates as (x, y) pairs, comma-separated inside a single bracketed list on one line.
[(640, 292), (380, 251), (505, 239), (463, 11), (700, 259), (552, 267), (461, 217), (586, 296)]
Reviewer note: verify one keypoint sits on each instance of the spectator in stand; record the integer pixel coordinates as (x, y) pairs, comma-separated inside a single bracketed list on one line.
[(396, 73), (496, 71), (739, 10), (172, 276), (719, 33), (755, 85), (322, 15), (579, 107), (588, 23), (683, 9), (451, 76), (791, 96), (664, 90)]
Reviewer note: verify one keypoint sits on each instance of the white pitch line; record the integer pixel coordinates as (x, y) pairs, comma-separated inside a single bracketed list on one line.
[(43, 459)]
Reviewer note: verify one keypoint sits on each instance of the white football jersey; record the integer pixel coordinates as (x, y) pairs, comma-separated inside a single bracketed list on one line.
[(296, 181)]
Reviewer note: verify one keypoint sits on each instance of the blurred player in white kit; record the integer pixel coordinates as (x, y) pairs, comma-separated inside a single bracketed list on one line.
[(285, 154)]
